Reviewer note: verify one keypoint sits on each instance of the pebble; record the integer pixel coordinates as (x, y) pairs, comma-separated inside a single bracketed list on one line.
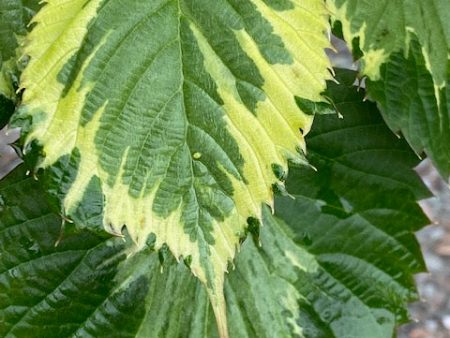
[(446, 322)]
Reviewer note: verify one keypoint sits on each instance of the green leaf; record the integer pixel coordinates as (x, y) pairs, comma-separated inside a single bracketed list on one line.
[(336, 261), (14, 18), (167, 116), (7, 108), (406, 49), (412, 105), (49, 290), (357, 215)]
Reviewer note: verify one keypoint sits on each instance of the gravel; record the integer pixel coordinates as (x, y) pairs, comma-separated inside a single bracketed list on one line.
[(431, 315)]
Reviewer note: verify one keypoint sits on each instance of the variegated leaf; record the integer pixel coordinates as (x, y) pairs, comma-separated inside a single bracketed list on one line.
[(385, 27), (336, 261), (172, 117), (14, 17), (405, 47)]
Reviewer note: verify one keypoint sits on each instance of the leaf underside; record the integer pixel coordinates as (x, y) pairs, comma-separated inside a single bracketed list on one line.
[(335, 261), (406, 47)]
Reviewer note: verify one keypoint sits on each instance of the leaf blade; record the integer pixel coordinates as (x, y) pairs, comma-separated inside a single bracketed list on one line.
[(181, 141), (318, 273), (396, 38)]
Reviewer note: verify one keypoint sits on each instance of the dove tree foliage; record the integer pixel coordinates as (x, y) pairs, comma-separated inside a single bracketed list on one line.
[(197, 168)]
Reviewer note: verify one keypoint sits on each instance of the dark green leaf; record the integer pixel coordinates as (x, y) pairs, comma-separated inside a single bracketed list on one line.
[(412, 104), (7, 107), (14, 18)]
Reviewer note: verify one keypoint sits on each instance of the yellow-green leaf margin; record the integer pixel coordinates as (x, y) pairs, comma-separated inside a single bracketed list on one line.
[(173, 119), (384, 27), (405, 52)]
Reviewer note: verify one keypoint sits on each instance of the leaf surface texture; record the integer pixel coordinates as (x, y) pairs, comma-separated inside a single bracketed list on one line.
[(334, 261), (405, 47)]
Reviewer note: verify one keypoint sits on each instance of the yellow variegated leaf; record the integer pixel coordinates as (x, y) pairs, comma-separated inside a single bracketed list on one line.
[(385, 27), (405, 46), (173, 118)]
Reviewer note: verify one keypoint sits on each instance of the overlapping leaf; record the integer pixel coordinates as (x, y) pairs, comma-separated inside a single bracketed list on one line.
[(357, 216), (14, 17), (335, 261), (412, 104), (406, 48), (87, 287), (168, 116)]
